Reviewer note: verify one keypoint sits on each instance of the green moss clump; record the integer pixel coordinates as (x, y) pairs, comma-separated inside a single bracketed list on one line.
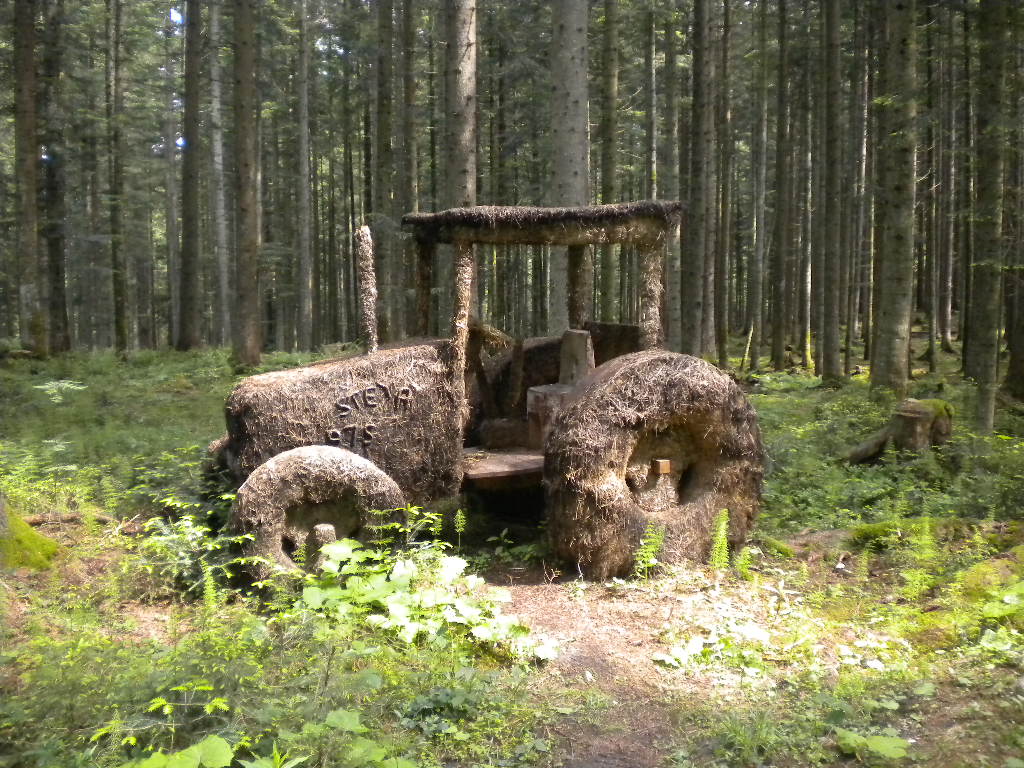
[(776, 547), (936, 629), (25, 548)]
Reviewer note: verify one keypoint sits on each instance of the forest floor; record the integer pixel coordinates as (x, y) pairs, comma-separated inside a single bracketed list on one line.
[(875, 618)]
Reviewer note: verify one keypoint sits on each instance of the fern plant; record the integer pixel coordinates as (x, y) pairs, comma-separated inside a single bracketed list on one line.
[(719, 560), (645, 559), (460, 528), (744, 562)]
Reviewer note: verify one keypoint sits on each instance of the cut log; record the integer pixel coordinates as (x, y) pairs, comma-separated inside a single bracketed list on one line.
[(55, 519)]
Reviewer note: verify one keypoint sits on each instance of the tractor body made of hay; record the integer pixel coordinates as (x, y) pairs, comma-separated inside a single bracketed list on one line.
[(623, 434)]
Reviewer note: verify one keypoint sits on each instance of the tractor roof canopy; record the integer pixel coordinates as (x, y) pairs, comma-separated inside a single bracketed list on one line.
[(644, 223)]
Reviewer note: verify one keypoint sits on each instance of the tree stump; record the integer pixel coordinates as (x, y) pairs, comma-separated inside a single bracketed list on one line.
[(915, 426), (652, 438), (306, 497)]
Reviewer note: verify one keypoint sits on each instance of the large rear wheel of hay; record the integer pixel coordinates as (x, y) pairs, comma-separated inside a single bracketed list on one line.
[(652, 439), (304, 497)]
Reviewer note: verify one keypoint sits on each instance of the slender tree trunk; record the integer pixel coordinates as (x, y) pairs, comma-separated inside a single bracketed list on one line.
[(408, 186), (931, 188), (755, 294), (831, 370), (247, 338), (695, 228), (31, 308), (610, 308), (115, 107), (384, 171), (570, 167), (857, 240), (948, 180), (221, 223), (171, 191), (986, 278), (189, 332), (725, 166), (54, 179), (651, 187), (895, 198), (783, 185), (968, 176), (1015, 277), (304, 287), (669, 185)]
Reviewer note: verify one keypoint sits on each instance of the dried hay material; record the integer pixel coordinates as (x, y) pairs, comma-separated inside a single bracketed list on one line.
[(394, 406), (503, 433), (601, 488), (287, 503), (640, 222), (538, 362)]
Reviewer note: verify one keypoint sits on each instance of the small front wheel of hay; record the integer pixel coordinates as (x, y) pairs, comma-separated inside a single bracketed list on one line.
[(650, 439), (291, 503)]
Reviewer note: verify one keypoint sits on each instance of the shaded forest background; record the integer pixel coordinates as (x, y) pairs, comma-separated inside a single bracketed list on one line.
[(193, 174)]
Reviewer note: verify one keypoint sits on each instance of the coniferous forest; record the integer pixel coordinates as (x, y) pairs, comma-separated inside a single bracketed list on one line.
[(782, 522)]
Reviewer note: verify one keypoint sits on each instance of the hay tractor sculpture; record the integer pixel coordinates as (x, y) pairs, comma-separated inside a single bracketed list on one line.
[(622, 433)]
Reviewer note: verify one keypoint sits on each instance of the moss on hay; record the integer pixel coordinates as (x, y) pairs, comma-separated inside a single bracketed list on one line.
[(939, 408), (24, 547)]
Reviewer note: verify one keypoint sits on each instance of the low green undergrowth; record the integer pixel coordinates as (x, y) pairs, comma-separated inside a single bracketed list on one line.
[(809, 485), (387, 658), (849, 651)]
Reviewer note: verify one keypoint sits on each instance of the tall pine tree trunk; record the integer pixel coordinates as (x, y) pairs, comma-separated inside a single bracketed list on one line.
[(171, 191), (895, 201), (54, 180), (695, 230), (304, 320), (783, 187), (221, 223), (609, 155), (725, 169), (247, 338), (407, 191), (831, 363), (384, 169), (31, 308), (570, 160), (188, 336), (755, 275), (115, 152), (986, 279), (669, 171)]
